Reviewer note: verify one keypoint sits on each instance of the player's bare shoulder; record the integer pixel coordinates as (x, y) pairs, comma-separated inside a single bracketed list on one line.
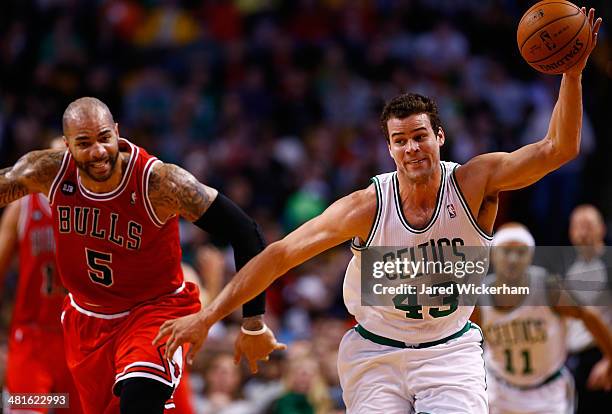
[(33, 173), (175, 191), (474, 173), (363, 202), (473, 181)]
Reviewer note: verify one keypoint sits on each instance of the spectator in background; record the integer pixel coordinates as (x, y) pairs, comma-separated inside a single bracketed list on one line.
[(166, 25), (222, 393), (305, 389), (267, 385), (442, 49), (592, 263)]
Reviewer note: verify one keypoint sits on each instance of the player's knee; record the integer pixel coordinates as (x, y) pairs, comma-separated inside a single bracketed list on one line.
[(143, 396)]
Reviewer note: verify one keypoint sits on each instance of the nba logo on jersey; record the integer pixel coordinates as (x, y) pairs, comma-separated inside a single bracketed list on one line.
[(451, 211), (68, 188)]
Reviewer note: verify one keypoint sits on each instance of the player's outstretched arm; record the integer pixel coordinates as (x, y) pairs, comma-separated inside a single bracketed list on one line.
[(523, 167), (33, 173), (346, 218)]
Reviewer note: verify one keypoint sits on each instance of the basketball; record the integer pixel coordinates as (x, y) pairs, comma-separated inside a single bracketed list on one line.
[(553, 35)]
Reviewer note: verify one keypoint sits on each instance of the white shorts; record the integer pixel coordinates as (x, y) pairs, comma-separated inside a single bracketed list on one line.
[(555, 397), (443, 379)]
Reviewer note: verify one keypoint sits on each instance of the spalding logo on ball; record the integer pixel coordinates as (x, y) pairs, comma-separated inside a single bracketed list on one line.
[(553, 36)]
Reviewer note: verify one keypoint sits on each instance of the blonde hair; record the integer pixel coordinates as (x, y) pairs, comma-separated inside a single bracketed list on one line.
[(318, 393)]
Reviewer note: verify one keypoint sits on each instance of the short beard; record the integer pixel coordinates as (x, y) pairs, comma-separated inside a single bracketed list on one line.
[(84, 168)]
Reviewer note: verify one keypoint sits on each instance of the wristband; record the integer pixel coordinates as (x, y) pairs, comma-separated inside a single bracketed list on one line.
[(254, 333)]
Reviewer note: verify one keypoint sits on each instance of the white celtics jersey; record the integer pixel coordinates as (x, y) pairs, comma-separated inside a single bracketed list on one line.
[(451, 221), (526, 345)]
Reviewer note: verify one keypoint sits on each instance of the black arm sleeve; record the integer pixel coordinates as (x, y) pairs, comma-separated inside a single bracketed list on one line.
[(226, 220)]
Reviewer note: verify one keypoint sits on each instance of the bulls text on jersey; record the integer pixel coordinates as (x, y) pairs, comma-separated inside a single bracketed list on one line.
[(85, 221)]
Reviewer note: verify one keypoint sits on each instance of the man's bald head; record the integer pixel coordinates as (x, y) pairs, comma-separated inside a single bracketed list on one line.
[(92, 137), (83, 109), (587, 226), (587, 210)]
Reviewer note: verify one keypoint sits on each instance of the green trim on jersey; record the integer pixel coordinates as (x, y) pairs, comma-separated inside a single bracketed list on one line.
[(439, 197), (381, 340), (467, 208), (376, 219)]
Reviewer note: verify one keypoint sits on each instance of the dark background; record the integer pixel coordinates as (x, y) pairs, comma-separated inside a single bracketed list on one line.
[(276, 103)]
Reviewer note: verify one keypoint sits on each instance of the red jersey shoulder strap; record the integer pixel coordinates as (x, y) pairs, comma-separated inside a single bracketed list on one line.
[(59, 177)]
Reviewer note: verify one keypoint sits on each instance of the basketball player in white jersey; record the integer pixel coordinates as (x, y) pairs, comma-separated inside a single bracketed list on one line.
[(525, 346), (396, 364)]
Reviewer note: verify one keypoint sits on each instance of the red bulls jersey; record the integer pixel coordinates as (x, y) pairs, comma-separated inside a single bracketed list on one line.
[(113, 252), (39, 295)]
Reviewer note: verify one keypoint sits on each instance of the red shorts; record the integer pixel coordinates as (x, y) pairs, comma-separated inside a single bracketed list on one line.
[(36, 364), (102, 350)]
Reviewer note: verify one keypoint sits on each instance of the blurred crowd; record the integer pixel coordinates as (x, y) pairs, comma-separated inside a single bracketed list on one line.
[(276, 104)]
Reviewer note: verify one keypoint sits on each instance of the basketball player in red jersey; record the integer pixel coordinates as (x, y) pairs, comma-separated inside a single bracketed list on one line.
[(36, 347), (115, 210)]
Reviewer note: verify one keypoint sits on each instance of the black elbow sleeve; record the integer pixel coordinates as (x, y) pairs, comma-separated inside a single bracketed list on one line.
[(224, 219)]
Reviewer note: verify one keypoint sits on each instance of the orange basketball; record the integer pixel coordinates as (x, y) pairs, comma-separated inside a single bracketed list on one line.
[(553, 35)]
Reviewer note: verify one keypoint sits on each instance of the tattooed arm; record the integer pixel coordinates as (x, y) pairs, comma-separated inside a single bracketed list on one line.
[(174, 191), (33, 173)]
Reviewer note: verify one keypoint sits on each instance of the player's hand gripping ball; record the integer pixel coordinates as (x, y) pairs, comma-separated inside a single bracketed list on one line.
[(553, 36)]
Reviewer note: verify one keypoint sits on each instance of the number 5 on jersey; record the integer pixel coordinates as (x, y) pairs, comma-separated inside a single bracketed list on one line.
[(99, 269)]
